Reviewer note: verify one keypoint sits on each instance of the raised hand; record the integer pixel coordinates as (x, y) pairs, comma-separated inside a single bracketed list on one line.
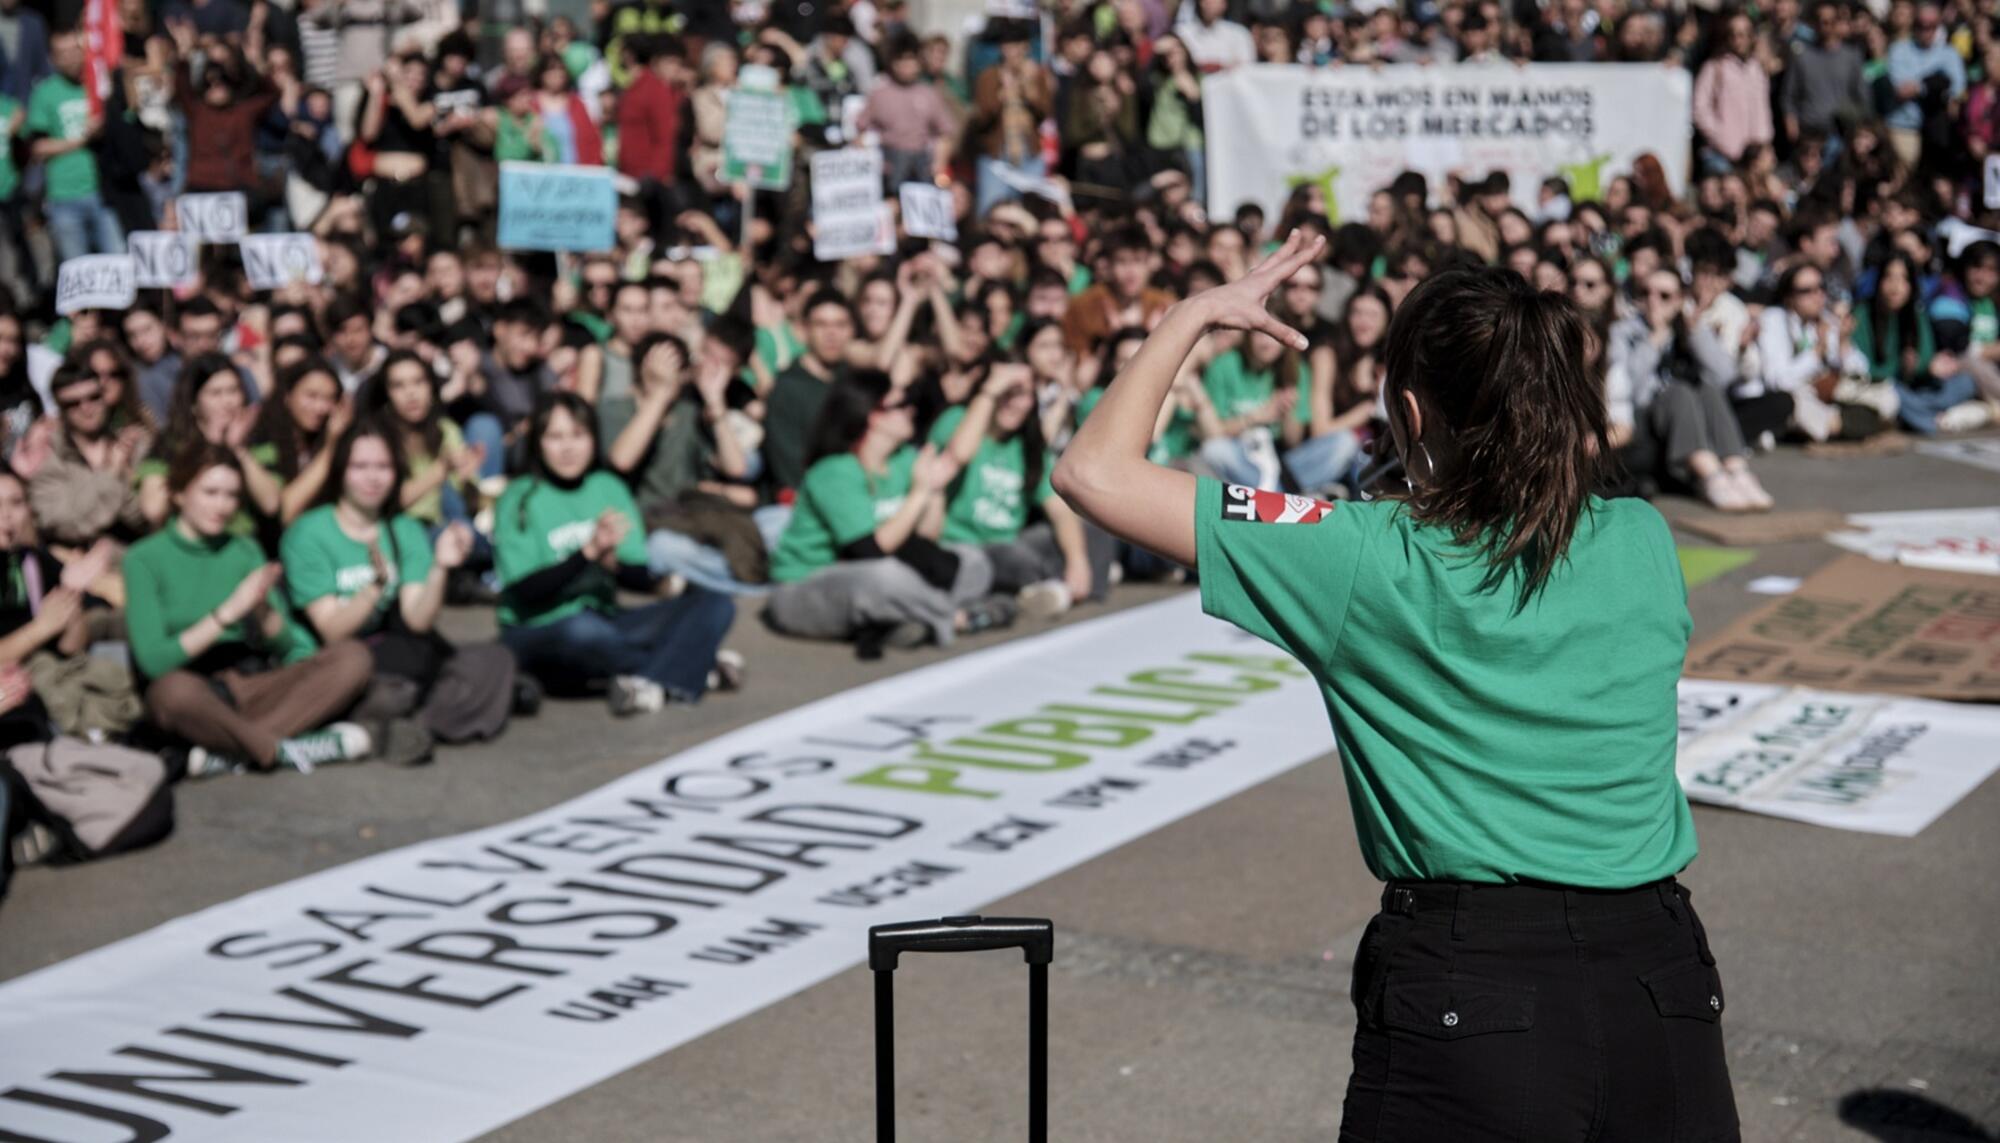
[(454, 545), (932, 471), (1240, 304)]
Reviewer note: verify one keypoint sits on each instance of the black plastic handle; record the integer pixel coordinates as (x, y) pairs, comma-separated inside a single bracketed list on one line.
[(1034, 936)]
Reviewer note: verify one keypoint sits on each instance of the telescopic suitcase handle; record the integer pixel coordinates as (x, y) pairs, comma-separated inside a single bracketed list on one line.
[(1035, 937)]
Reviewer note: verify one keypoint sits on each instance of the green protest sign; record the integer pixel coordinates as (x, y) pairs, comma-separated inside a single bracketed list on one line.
[(757, 140)]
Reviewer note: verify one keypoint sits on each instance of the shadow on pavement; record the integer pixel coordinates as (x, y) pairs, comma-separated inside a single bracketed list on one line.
[(1905, 1117)]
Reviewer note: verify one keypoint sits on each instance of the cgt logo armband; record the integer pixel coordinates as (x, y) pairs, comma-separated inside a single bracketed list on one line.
[(1252, 506)]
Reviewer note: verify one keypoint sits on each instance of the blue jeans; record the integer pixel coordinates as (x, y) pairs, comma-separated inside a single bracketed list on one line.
[(675, 553), (672, 642), (1920, 404), (993, 192), (1323, 461), (84, 226), (486, 429)]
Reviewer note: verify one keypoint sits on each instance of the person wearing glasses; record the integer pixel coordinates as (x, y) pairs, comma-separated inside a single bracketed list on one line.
[(1497, 650), (85, 489), (1591, 288), (860, 558), (1668, 390), (1806, 346)]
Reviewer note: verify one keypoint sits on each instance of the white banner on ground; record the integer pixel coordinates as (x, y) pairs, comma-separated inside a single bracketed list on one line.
[(850, 219), (96, 282), (274, 261), (432, 993), (1981, 453), (1962, 540), (164, 259), (928, 212), (214, 219), (1351, 130), (1873, 763)]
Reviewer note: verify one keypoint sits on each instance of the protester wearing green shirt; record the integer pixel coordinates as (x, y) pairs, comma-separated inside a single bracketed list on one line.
[(566, 537), (1004, 465), (1248, 408), (793, 404), (62, 126), (860, 558), (13, 117), (211, 402), (228, 668), (1499, 653), (358, 573)]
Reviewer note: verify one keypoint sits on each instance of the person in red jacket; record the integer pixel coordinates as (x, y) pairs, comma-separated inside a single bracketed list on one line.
[(564, 116), (652, 110)]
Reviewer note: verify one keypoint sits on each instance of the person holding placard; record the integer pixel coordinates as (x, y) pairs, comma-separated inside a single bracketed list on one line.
[(1498, 650)]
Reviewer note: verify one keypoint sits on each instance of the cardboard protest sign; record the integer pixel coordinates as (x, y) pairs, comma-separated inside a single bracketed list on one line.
[(1761, 528), (927, 212), (215, 219), (1860, 625), (274, 261), (757, 140), (850, 219), (1862, 762), (546, 206), (164, 259), (96, 282)]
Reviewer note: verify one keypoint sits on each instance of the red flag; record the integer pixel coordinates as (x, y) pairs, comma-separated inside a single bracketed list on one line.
[(104, 47)]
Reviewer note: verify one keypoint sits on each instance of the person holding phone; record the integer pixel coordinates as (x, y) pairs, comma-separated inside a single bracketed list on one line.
[(1498, 650)]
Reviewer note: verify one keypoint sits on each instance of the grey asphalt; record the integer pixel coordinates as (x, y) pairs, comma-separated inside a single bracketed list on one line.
[(1200, 983)]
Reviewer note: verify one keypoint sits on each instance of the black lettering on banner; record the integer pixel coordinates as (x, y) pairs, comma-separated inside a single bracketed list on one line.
[(495, 952), (614, 1000), (655, 922), (228, 949), (414, 988), (354, 1019), (1188, 753), (142, 1128), (774, 934), (1004, 835), (1095, 795), (905, 878), (140, 1084)]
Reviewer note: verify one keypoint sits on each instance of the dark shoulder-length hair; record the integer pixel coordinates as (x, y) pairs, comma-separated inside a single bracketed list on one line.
[(580, 411), (194, 456), (1903, 321), (275, 425), (1499, 367), (181, 424), (374, 402), (364, 428), (843, 418)]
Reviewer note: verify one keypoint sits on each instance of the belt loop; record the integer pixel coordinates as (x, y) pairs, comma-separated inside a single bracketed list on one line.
[(1670, 899), (1458, 914), (1570, 916)]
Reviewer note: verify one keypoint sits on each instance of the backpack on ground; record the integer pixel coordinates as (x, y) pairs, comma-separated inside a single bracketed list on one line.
[(95, 799)]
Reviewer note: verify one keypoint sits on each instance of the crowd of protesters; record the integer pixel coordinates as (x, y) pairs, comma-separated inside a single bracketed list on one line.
[(234, 518)]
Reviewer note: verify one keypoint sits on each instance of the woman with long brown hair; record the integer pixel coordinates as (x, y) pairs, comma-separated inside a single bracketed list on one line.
[(1498, 650)]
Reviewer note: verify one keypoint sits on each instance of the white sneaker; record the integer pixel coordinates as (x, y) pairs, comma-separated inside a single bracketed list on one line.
[(339, 742), (205, 763), (1966, 417), (634, 694), (1767, 441), (728, 672), (1044, 600)]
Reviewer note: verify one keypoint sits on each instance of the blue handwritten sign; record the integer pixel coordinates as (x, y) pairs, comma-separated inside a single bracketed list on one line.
[(547, 206)]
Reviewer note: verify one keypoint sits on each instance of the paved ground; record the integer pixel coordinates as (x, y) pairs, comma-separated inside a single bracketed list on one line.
[(1201, 971)]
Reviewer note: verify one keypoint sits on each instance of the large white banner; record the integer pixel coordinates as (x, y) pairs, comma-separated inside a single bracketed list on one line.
[(435, 992), (1874, 763), (1351, 130), (1957, 539)]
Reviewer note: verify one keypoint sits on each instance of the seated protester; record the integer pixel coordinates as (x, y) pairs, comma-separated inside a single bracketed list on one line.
[(441, 481), (1805, 351), (995, 440), (606, 370), (225, 665), (1252, 390), (1892, 331), (43, 627), (85, 490), (674, 443), (493, 395), (360, 569), (860, 558), (1173, 446), (1668, 397), (1952, 324), (568, 535), (1333, 419), (351, 347), (305, 415), (1053, 378), (791, 408), (211, 403)]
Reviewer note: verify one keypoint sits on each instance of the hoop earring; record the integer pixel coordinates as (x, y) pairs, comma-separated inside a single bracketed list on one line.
[(1430, 467)]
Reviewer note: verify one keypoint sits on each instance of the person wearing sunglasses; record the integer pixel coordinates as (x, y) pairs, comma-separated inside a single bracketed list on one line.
[(1806, 347), (1669, 384), (85, 490)]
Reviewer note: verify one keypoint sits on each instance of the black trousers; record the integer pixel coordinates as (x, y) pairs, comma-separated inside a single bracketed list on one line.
[(1531, 1013)]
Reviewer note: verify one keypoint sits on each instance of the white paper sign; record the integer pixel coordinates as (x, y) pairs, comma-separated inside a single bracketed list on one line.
[(96, 282), (432, 993), (214, 219), (1962, 540), (165, 258), (850, 218), (928, 212), (1983, 452), (1993, 182), (274, 261), (1011, 9), (1873, 763)]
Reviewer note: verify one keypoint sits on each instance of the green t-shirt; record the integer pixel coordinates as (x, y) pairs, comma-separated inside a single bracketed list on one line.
[(59, 109), (1175, 442), (538, 525), (839, 502), (244, 523), (172, 582), (984, 504), (10, 176), (790, 410), (1480, 741), (1234, 388), (1985, 321), (321, 560)]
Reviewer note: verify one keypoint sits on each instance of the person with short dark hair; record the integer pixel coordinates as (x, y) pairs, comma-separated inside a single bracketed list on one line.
[(916, 125), (794, 401), (87, 488), (1468, 635)]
